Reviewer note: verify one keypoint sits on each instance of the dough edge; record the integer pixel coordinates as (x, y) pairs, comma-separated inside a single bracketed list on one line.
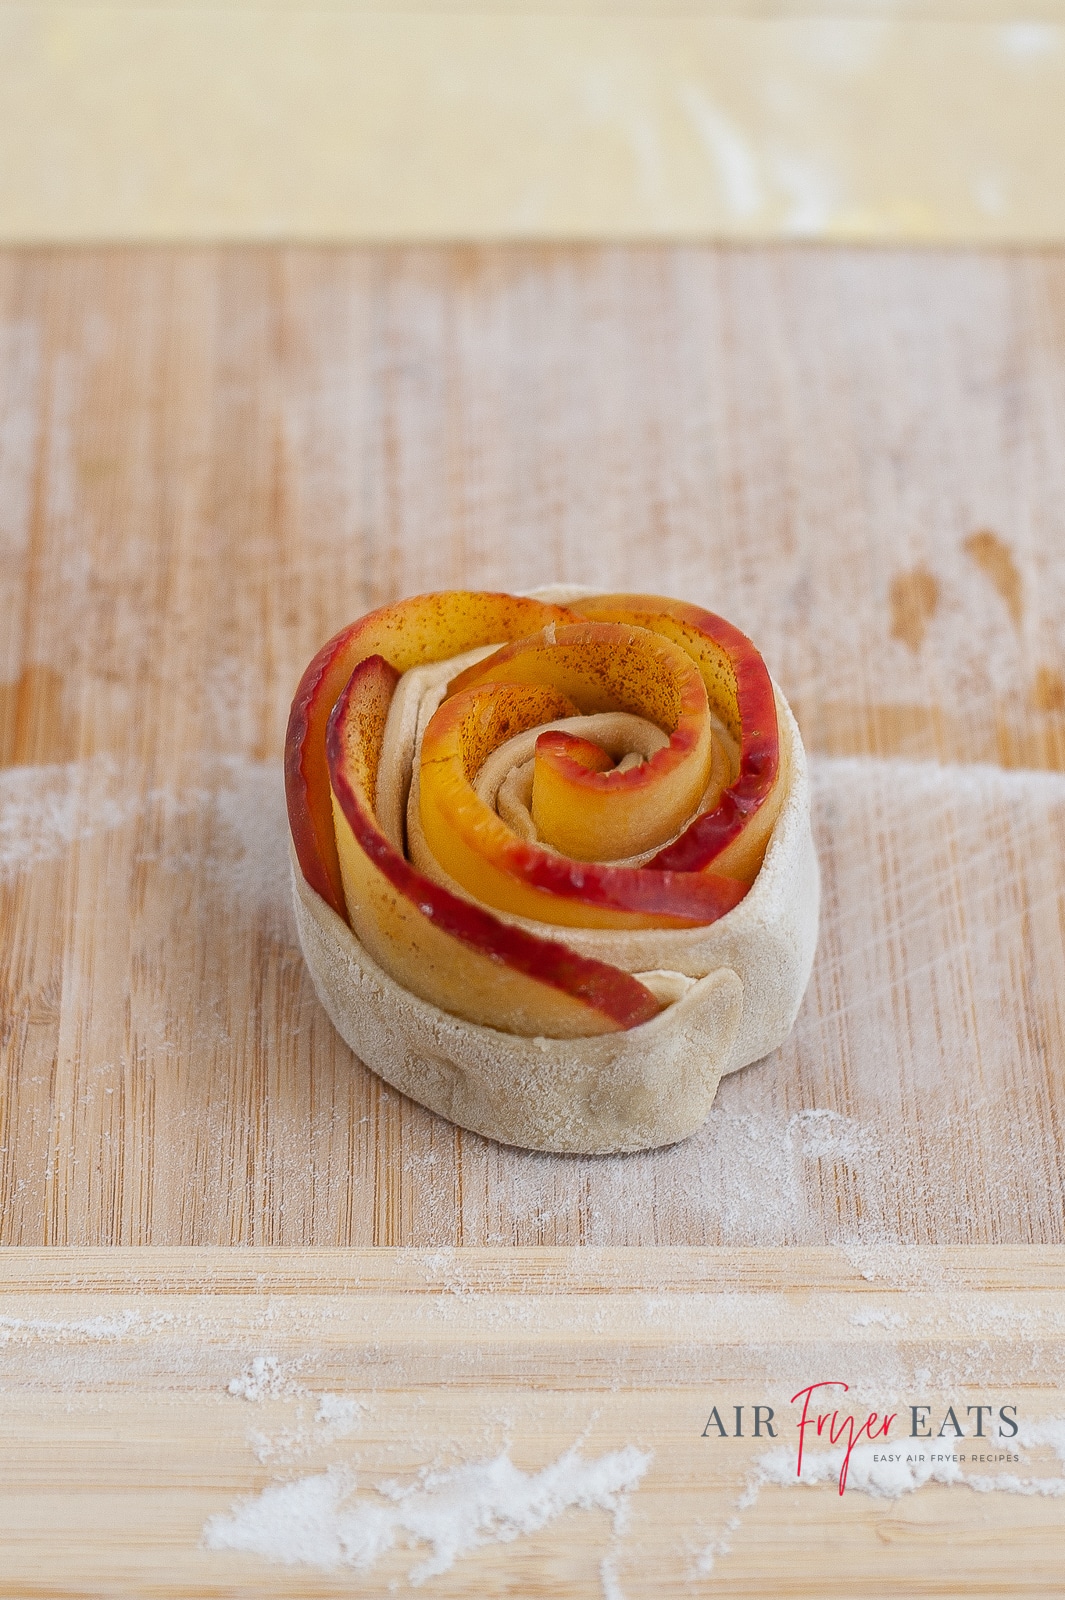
[(635, 1090)]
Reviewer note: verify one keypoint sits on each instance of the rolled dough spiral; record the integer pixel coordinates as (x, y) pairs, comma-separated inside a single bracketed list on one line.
[(623, 1043)]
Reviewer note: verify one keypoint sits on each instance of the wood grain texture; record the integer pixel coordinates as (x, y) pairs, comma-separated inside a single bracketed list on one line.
[(212, 459), (134, 1413)]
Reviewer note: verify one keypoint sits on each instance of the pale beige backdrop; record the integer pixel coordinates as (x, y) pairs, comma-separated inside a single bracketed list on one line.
[(641, 118)]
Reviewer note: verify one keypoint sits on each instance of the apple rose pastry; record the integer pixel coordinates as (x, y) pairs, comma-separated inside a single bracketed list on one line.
[(553, 867)]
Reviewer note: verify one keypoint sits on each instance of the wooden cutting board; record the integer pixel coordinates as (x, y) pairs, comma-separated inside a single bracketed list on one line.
[(526, 1422), (212, 459)]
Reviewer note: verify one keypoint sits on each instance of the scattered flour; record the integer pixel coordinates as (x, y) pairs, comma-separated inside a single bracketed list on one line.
[(82, 1329), (608, 1579), (229, 829), (870, 1473), (266, 1378), (339, 1414), (45, 810), (247, 855), (319, 1521), (721, 1546), (903, 1266), (336, 1416), (1048, 1431), (877, 1319), (1009, 1483)]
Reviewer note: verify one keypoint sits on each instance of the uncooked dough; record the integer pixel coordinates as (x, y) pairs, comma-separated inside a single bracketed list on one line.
[(732, 988)]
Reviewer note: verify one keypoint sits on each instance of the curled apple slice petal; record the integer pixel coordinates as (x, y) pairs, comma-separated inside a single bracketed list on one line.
[(597, 668), (438, 946), (580, 808), (609, 765), (428, 627), (480, 852), (731, 836)]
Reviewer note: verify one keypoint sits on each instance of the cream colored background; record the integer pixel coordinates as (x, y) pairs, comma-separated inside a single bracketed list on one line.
[(908, 122)]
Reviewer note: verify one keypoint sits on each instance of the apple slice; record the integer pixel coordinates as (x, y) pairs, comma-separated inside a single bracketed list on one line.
[(429, 627), (733, 835), (591, 669), (581, 808), (441, 947), (664, 661)]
